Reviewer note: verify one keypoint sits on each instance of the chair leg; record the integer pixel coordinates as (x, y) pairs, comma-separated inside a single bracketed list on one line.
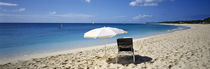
[(133, 58)]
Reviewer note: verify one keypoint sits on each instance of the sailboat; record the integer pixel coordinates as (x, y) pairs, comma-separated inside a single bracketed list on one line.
[(93, 22)]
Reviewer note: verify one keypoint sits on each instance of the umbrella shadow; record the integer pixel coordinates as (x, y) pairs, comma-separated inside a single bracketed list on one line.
[(125, 60)]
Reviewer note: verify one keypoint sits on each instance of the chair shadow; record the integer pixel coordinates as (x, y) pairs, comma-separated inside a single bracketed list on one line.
[(125, 60)]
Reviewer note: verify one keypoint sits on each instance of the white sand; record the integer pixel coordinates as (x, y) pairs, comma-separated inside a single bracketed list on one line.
[(186, 49)]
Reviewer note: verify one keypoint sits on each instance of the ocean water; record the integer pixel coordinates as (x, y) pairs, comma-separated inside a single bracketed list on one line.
[(30, 38)]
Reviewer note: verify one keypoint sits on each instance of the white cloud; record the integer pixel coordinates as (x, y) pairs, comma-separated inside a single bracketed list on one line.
[(88, 1), (146, 2), (150, 4), (73, 15), (21, 9), (13, 10), (141, 17), (7, 4), (52, 13)]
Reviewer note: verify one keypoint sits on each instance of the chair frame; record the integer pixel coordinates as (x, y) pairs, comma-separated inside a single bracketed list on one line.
[(121, 47)]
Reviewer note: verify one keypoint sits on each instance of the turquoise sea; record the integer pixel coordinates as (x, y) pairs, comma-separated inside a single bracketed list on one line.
[(18, 39)]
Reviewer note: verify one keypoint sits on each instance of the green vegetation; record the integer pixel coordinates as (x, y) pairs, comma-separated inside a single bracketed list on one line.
[(207, 20), (204, 21)]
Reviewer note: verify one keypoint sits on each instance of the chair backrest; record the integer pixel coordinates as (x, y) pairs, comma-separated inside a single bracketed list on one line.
[(125, 44)]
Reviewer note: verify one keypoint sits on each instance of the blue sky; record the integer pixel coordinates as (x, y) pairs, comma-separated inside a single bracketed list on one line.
[(102, 11)]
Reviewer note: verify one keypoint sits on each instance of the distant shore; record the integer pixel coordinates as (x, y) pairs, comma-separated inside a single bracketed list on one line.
[(183, 49), (202, 21), (176, 23)]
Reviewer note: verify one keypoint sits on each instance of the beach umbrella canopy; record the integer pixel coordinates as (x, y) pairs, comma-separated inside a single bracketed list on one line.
[(104, 32)]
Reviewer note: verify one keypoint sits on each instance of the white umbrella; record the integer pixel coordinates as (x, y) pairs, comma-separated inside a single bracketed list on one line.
[(104, 32)]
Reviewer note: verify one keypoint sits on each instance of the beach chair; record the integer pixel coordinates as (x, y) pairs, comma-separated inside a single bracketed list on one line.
[(125, 47)]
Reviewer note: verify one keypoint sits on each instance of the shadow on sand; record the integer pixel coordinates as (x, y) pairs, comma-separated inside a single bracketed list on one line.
[(124, 60)]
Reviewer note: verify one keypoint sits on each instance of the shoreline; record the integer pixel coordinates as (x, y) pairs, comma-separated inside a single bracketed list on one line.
[(73, 50)]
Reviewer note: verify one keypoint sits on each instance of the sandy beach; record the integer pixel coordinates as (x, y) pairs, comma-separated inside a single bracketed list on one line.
[(183, 49)]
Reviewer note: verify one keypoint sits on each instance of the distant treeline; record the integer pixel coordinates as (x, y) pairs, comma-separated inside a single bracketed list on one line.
[(204, 21)]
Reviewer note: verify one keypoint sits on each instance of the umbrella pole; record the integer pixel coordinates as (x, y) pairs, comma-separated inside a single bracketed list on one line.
[(105, 47)]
